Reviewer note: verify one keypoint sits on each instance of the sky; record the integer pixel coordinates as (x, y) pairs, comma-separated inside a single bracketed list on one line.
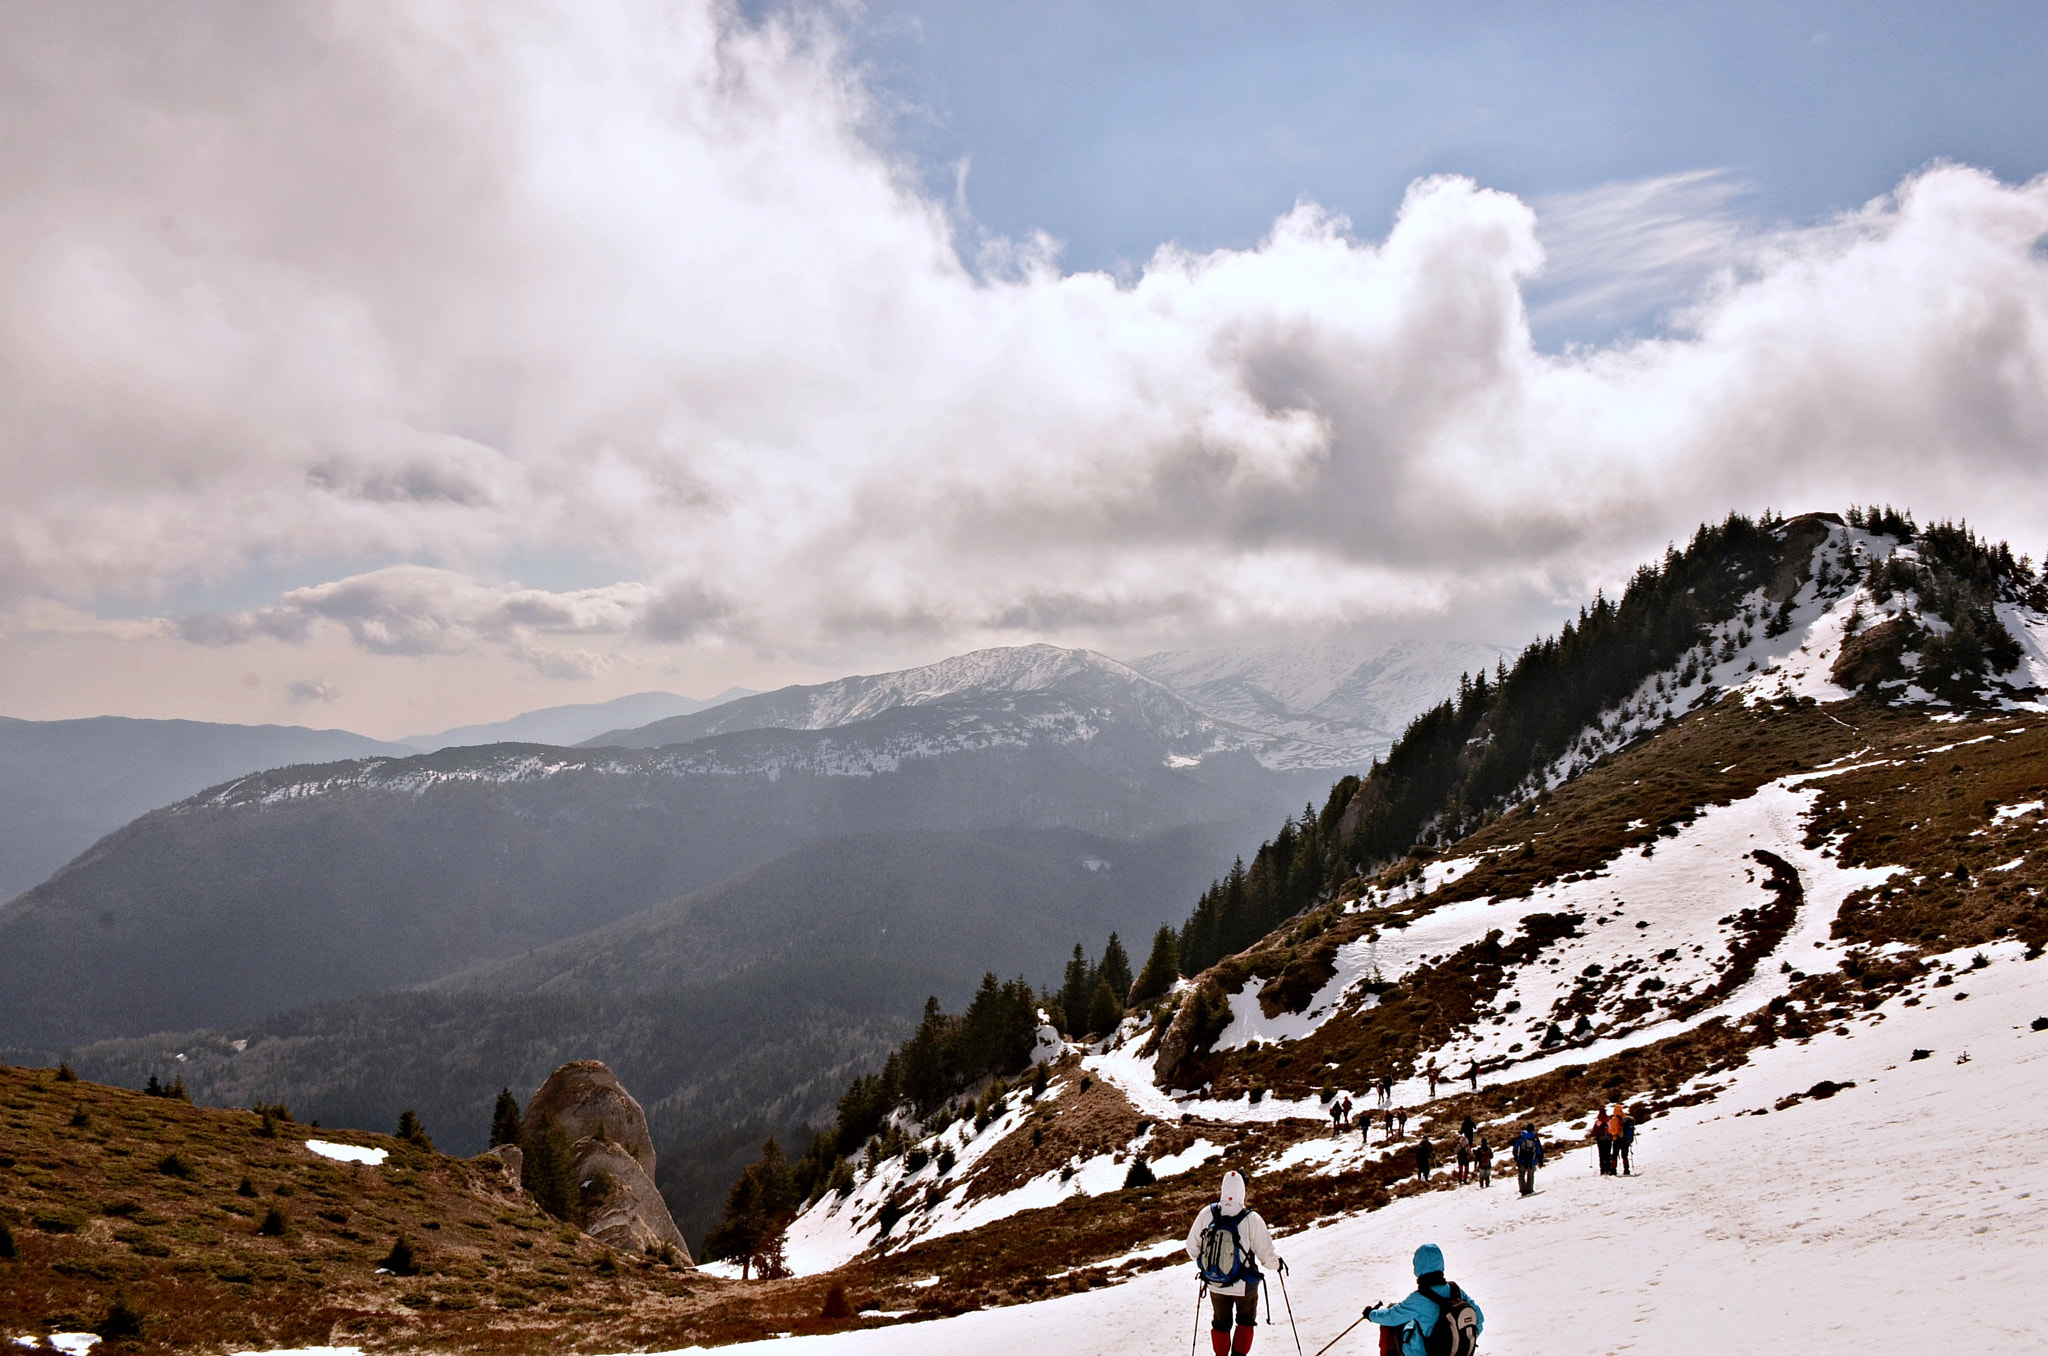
[(396, 365)]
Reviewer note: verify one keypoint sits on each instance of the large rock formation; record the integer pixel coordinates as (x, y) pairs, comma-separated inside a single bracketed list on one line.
[(613, 1157), (620, 1203)]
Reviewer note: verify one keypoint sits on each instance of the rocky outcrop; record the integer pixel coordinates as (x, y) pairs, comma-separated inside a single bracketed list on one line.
[(497, 1169), (620, 1204), (587, 1100), (1202, 1016), (1875, 657), (613, 1158)]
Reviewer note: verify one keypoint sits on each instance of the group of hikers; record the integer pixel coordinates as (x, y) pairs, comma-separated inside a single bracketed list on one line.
[(1472, 1155), (1395, 1118), (1234, 1252), (1614, 1135)]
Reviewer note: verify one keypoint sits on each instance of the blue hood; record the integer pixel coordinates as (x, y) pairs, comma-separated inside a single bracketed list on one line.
[(1429, 1257)]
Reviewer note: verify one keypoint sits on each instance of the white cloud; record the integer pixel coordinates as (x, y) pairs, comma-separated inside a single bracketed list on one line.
[(428, 288), (305, 690)]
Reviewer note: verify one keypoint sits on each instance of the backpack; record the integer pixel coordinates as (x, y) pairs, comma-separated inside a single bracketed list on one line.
[(1220, 1255), (1457, 1326)]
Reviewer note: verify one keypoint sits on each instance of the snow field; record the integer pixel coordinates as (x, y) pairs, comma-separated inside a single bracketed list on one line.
[(1875, 1220), (1681, 892)]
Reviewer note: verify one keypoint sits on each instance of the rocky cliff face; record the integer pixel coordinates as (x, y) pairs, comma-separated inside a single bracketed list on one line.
[(614, 1157), (587, 1100), (621, 1206)]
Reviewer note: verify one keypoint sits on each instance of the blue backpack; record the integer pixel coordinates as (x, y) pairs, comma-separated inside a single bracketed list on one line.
[(1220, 1255)]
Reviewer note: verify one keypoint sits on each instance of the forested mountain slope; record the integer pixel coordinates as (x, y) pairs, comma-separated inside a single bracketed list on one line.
[(1787, 789), (306, 884), (65, 783)]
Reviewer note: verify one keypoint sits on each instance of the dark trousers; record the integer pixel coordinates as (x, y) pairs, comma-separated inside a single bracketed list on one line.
[(1625, 1155), (1526, 1175), (1245, 1307), (1606, 1147), (1485, 1172)]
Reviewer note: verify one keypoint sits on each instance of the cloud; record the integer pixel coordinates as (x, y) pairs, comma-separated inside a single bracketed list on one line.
[(438, 289), (421, 610), (1620, 251), (310, 690)]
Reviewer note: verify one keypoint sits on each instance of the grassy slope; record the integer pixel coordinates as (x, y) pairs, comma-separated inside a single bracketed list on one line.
[(94, 1217)]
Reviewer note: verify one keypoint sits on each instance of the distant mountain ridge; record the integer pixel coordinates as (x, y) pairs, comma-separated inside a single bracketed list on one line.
[(1338, 704), (1083, 674), (65, 783), (574, 723)]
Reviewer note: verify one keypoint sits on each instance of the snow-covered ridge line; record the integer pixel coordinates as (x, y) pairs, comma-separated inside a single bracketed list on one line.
[(1740, 657), (862, 753)]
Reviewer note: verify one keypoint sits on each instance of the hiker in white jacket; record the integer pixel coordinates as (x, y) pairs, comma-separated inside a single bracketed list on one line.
[(1230, 1245)]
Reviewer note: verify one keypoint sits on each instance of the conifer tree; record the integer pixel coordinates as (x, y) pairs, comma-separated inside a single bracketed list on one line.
[(1162, 968), (412, 1132), (758, 1209), (1076, 993), (928, 1067), (505, 1119), (1115, 969), (548, 1170), (1104, 1011)]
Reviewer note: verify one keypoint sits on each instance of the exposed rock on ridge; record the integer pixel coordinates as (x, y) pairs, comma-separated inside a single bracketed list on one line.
[(614, 1157)]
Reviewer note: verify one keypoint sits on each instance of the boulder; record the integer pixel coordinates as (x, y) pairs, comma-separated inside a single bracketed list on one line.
[(613, 1157), (506, 1160), (621, 1206), (587, 1100)]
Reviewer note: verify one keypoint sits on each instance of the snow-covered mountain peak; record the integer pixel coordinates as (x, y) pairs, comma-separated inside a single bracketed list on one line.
[(1089, 682), (1338, 703)]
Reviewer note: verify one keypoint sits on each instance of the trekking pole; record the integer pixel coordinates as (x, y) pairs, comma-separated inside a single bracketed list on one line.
[(1195, 1342), (1290, 1310), (1340, 1336)]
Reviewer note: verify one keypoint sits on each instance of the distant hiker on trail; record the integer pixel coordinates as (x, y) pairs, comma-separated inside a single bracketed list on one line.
[(1386, 1092), (1365, 1127), (1528, 1152), (1432, 1074), (1603, 1139), (1473, 1074), (1614, 1121), (1468, 1129), (1229, 1244), (1425, 1157), (1464, 1161), (1625, 1143), (1483, 1156), (1435, 1303)]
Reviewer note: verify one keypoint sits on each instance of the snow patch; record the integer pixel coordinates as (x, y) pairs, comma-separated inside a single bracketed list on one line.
[(348, 1153)]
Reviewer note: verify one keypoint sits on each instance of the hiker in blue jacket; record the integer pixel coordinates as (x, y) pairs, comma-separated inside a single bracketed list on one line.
[(1418, 1315), (1528, 1154)]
